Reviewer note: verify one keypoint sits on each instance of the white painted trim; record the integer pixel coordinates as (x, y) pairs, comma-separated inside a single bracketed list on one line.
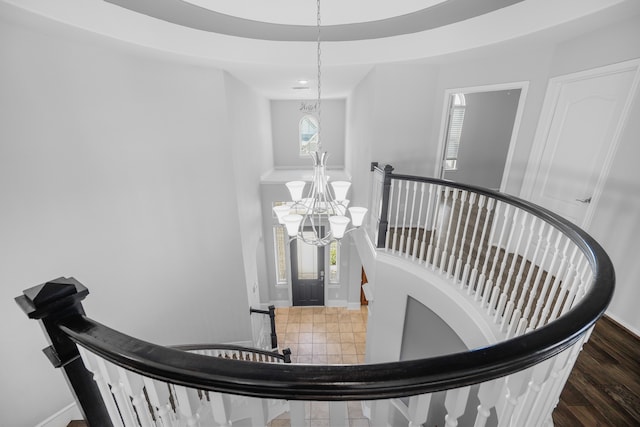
[(353, 306), (63, 417), (281, 303), (544, 124), (336, 303), (524, 88)]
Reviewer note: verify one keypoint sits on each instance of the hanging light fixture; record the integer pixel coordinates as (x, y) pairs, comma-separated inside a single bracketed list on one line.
[(307, 216)]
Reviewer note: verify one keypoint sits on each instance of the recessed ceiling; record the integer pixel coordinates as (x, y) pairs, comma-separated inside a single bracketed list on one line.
[(289, 20), (270, 48), (303, 12)]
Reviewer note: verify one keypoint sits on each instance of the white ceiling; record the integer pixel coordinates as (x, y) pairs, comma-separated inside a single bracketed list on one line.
[(301, 12), (274, 67)]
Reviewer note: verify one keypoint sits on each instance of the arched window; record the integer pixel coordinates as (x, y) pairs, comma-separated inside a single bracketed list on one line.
[(308, 133)]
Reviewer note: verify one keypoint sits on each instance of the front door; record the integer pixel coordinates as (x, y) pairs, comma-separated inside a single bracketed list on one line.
[(307, 272), (575, 142)]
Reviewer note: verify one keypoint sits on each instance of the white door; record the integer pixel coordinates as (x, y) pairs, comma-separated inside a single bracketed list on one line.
[(582, 118)]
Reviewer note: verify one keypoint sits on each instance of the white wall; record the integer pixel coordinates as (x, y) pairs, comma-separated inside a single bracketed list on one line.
[(425, 334), (285, 118), (250, 121), (114, 164), (389, 120)]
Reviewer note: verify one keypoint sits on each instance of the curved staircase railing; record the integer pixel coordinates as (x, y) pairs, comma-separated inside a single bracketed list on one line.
[(540, 279)]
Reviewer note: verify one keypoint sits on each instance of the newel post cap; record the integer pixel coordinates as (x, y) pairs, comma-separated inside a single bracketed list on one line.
[(44, 299)]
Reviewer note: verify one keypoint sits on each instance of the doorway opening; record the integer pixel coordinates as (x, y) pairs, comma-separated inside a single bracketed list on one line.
[(478, 133), (307, 272)]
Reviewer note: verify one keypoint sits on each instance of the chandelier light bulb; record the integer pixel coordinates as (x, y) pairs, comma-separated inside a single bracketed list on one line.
[(292, 222), (357, 215), (338, 225), (281, 211), (295, 189), (340, 189)]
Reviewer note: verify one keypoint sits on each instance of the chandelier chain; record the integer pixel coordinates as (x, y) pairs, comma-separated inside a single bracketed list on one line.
[(319, 62)]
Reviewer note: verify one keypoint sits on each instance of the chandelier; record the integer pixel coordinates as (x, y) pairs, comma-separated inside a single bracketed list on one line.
[(307, 216)]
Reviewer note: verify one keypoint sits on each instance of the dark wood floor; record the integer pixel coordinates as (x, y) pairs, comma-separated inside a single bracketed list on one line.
[(604, 387)]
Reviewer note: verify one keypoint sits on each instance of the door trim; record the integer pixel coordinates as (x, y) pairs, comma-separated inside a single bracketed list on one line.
[(522, 85), (546, 117)]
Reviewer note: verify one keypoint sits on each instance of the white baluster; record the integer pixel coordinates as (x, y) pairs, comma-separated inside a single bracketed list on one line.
[(442, 219), (416, 240), (578, 282), (445, 250), (452, 258), (297, 412), (338, 414), (158, 393), (455, 401), (492, 290), (515, 386), (505, 289), (395, 226), (567, 282), (419, 409), (538, 278), (557, 278), (426, 226), (542, 299), (434, 223), (187, 404), (511, 318), (380, 413), (411, 224), (258, 411), (123, 401), (558, 378), (503, 312), (467, 268), (488, 394), (220, 408), (480, 290), (134, 386), (458, 269), (539, 375), (401, 246), (388, 218), (90, 362)]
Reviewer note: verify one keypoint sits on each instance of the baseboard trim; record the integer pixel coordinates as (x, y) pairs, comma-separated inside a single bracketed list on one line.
[(63, 417), (281, 303), (623, 324)]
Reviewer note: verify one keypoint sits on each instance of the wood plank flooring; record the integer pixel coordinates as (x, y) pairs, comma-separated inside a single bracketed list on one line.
[(603, 388)]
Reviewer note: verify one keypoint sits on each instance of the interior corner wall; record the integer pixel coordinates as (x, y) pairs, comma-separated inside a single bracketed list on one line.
[(389, 120), (250, 122), (114, 163), (360, 135), (286, 116)]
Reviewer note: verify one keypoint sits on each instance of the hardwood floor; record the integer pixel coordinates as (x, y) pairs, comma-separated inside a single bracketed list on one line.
[(604, 386)]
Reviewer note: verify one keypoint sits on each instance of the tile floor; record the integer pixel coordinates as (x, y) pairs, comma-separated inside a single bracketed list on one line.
[(322, 335)]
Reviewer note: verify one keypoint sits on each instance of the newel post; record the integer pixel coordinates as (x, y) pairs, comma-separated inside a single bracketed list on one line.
[(51, 303), (383, 222)]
